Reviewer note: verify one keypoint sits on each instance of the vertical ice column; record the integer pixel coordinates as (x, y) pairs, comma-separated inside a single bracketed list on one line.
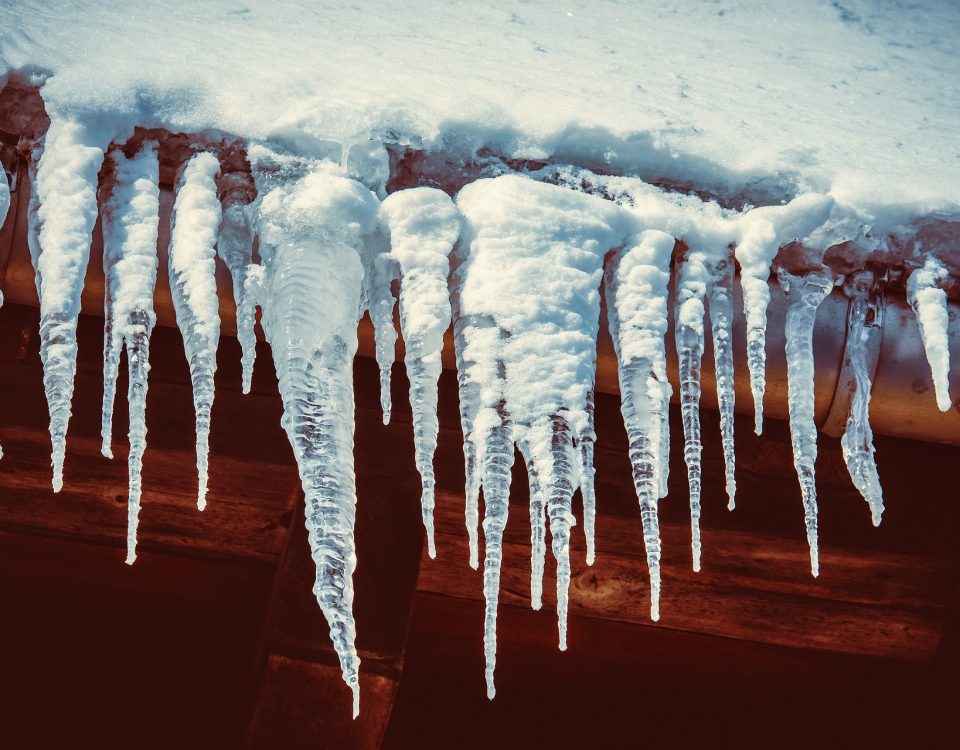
[(929, 302), (762, 232), (804, 295), (312, 234), (4, 207), (857, 440), (693, 278), (383, 272), (424, 225), (720, 296), (193, 284), (130, 221), (65, 213), (635, 283), (235, 248), (525, 288)]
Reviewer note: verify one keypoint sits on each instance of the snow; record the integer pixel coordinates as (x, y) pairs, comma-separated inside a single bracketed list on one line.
[(130, 218), (193, 234)]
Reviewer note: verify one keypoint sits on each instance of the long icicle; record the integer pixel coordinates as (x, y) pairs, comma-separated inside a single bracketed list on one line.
[(857, 440), (586, 441), (130, 221), (929, 302), (235, 248), (636, 290), (193, 235), (693, 277), (804, 295), (66, 211), (424, 226), (538, 525), (312, 234), (720, 305)]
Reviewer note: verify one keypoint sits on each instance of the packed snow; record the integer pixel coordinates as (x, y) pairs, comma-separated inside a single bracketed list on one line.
[(648, 178)]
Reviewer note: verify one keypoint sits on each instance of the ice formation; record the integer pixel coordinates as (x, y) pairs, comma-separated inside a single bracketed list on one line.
[(805, 292), (424, 225), (314, 235), (857, 440), (720, 301), (929, 301), (65, 213), (527, 343), (635, 283), (130, 214), (193, 235), (235, 248)]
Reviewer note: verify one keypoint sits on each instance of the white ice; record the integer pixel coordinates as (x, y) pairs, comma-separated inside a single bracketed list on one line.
[(805, 292), (720, 298), (424, 225), (313, 233), (635, 284), (526, 290), (929, 301), (857, 440), (193, 236), (130, 218), (63, 215), (235, 248)]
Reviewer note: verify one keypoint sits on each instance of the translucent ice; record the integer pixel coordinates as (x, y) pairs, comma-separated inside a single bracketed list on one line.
[(313, 232), (193, 235), (130, 220), (720, 296), (804, 295), (424, 225)]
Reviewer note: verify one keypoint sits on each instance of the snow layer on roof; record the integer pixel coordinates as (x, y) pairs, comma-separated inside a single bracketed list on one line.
[(859, 98)]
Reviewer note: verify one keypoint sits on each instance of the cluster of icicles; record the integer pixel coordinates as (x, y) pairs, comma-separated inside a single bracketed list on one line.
[(516, 262)]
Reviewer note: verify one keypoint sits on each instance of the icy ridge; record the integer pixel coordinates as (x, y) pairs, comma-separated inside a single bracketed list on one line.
[(193, 235), (424, 225), (130, 220)]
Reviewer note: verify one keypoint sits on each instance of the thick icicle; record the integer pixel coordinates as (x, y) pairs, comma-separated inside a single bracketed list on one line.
[(4, 207), (235, 248), (804, 295), (857, 440), (693, 277), (312, 234), (66, 211), (424, 226), (762, 232), (720, 300), (525, 290), (635, 283), (929, 302), (193, 235), (130, 220)]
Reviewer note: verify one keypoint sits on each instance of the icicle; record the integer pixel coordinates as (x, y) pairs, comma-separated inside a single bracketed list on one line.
[(587, 482), (130, 220), (4, 207), (424, 225), (763, 232), (382, 302), (525, 290), (538, 527), (313, 232), (857, 440), (66, 211), (804, 295), (693, 277), (720, 296), (193, 235), (636, 289), (929, 302), (235, 248)]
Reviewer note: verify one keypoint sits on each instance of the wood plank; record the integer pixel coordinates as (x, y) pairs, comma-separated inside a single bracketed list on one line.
[(752, 587)]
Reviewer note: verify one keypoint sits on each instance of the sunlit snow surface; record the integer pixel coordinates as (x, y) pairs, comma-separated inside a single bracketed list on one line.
[(838, 120)]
